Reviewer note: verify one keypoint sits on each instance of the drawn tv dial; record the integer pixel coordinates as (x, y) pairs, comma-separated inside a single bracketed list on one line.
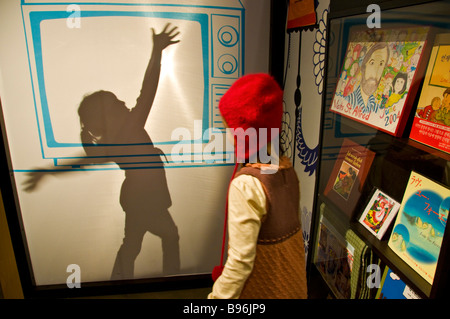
[(228, 36), (227, 64)]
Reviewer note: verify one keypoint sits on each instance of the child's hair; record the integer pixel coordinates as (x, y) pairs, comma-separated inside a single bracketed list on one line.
[(95, 112), (446, 92)]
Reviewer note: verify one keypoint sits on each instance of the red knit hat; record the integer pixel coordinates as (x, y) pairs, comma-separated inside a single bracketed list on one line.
[(253, 102)]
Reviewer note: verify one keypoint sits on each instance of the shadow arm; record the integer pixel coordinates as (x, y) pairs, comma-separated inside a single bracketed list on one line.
[(152, 73)]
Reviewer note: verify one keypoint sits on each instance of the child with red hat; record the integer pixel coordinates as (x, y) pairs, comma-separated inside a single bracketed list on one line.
[(266, 255)]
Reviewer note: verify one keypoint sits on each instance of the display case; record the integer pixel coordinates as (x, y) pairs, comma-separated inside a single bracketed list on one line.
[(382, 189)]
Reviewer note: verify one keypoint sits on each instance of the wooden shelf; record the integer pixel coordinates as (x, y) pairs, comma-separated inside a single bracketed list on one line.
[(396, 157)]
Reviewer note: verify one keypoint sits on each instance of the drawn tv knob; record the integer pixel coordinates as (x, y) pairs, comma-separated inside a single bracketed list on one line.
[(228, 36), (227, 64)]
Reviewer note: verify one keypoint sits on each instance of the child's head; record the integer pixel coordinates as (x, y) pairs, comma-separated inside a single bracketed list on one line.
[(253, 104), (98, 112), (436, 103)]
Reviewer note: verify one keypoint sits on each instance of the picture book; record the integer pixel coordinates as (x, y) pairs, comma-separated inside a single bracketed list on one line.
[(420, 224), (392, 287), (348, 175), (379, 213), (334, 259), (431, 124), (378, 78), (342, 257)]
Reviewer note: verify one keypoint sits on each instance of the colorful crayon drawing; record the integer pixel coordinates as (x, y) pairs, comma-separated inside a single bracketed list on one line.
[(377, 77), (438, 108), (345, 180), (420, 225), (379, 213), (431, 124)]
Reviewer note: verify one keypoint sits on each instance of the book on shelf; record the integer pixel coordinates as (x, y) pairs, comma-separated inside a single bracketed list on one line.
[(392, 287), (431, 124), (380, 76), (420, 224), (379, 213), (334, 259), (348, 175), (342, 257)]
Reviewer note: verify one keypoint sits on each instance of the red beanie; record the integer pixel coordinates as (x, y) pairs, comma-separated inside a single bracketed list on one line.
[(253, 101)]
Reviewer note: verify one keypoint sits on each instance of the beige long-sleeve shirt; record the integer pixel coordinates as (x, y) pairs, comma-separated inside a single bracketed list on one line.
[(246, 208)]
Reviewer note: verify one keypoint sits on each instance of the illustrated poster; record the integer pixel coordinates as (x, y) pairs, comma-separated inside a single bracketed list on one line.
[(392, 287), (334, 259), (431, 124), (377, 81), (379, 213), (348, 176), (420, 225)]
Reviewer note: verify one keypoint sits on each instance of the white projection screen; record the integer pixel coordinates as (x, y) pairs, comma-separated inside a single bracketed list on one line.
[(102, 188)]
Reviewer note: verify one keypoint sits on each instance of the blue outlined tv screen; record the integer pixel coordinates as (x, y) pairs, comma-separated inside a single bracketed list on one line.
[(95, 206), (77, 49)]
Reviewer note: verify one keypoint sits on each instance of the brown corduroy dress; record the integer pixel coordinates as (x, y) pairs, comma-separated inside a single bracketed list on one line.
[(279, 269)]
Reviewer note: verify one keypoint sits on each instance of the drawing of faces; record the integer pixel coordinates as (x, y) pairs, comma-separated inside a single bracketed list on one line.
[(387, 85), (373, 66), (349, 87), (356, 51), (348, 59), (397, 61), (354, 69), (446, 99), (399, 85), (342, 83)]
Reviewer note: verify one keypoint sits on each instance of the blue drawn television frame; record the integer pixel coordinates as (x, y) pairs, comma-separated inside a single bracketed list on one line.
[(38, 16)]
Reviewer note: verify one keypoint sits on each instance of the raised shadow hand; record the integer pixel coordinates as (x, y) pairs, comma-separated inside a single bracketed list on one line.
[(165, 38)]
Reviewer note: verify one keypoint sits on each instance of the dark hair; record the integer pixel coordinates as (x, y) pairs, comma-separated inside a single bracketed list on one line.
[(447, 91), (93, 112), (94, 104), (403, 76)]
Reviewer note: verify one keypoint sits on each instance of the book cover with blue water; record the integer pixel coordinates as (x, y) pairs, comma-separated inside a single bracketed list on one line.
[(393, 287), (420, 225)]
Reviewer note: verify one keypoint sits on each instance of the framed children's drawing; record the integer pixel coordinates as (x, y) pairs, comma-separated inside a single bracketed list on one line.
[(379, 77), (431, 124), (379, 213)]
